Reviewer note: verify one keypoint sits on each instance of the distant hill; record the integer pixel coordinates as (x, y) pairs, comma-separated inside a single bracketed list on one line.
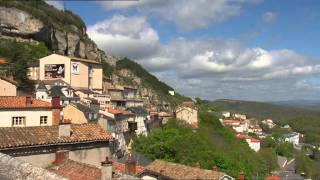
[(306, 104), (303, 120), (262, 110)]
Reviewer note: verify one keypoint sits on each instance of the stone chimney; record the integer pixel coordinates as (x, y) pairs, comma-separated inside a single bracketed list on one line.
[(64, 129), (28, 101), (61, 156), (241, 176), (106, 169), (130, 165)]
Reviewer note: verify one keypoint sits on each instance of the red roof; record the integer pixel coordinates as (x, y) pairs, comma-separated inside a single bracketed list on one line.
[(3, 61), (114, 111), (13, 137), (254, 140), (74, 170), (273, 178), (244, 136), (15, 102), (120, 168)]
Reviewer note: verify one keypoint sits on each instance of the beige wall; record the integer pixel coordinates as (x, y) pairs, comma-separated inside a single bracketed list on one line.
[(7, 89), (74, 114), (97, 77), (56, 59), (32, 116), (188, 114), (33, 73), (80, 80), (92, 156)]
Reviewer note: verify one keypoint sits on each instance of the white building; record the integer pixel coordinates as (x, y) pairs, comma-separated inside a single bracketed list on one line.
[(292, 138), (226, 114), (140, 117), (254, 144), (240, 116), (269, 123), (171, 92)]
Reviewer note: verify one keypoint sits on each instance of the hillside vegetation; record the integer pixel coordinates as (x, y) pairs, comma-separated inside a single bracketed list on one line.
[(211, 145), (302, 120), (47, 14)]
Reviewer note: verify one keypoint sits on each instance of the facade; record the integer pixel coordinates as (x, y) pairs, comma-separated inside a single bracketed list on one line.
[(269, 123), (117, 99), (240, 116), (25, 111), (226, 114), (188, 112), (254, 144), (171, 92), (140, 117), (86, 96), (292, 138), (118, 121), (8, 87), (43, 145), (79, 113), (79, 73), (159, 169)]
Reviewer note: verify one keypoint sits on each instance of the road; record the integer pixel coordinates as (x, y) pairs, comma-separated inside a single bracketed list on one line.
[(288, 172)]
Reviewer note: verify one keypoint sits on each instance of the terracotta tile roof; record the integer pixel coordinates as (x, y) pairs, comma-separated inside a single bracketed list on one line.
[(13, 137), (120, 168), (84, 60), (74, 170), (179, 171), (272, 178), (3, 61), (189, 104), (15, 102), (243, 136), (114, 111), (9, 80)]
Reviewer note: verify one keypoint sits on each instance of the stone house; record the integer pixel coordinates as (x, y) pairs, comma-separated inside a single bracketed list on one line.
[(79, 113), (254, 144), (188, 112), (140, 117)]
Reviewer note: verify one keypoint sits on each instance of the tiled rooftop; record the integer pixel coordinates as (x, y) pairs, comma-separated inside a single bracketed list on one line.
[(179, 171), (120, 168), (74, 170), (13, 137), (15, 102)]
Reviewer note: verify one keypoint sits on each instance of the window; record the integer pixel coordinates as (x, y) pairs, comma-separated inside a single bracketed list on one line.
[(43, 120), (18, 121)]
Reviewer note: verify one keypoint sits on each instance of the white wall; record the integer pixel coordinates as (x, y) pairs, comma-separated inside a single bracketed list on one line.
[(32, 116)]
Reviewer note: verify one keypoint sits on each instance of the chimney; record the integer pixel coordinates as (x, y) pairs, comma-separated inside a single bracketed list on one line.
[(241, 176), (56, 111), (106, 169), (28, 100), (64, 129), (130, 165), (61, 156)]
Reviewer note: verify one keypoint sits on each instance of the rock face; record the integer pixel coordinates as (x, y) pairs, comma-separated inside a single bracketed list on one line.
[(15, 23)]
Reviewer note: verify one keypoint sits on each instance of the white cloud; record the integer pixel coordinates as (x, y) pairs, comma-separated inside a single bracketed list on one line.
[(56, 4), (186, 14), (125, 36), (269, 17)]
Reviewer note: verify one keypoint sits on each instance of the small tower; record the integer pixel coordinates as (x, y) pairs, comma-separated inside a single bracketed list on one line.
[(42, 91)]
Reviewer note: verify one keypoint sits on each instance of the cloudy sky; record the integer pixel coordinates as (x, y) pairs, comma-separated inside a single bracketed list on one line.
[(266, 50)]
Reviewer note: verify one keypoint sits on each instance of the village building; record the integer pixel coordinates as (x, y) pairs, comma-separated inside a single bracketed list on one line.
[(43, 146), (79, 113), (165, 116), (8, 86), (140, 117), (26, 111), (78, 72), (117, 99), (240, 116), (33, 71), (269, 123), (87, 96), (154, 121), (226, 114), (159, 169), (254, 144), (188, 112), (116, 121), (171, 92), (292, 138), (63, 91)]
